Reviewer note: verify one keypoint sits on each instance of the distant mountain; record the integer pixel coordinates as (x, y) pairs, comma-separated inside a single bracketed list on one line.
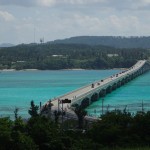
[(6, 45), (112, 41)]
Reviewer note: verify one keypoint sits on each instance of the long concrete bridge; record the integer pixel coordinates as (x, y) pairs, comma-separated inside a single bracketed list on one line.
[(84, 96)]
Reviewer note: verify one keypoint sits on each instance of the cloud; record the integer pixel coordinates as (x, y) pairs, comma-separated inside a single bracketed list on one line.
[(19, 2), (83, 1), (113, 4), (30, 3), (125, 24), (46, 3), (6, 16), (113, 24), (80, 24), (128, 4)]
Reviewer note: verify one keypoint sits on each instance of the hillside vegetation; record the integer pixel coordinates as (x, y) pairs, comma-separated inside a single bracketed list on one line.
[(113, 41), (64, 56)]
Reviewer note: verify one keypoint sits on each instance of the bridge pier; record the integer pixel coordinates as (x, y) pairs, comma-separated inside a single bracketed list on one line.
[(102, 93), (118, 84), (108, 89), (122, 81), (85, 102), (94, 97), (114, 86), (126, 80)]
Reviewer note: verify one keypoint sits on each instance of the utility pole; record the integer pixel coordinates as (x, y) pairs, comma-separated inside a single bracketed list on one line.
[(62, 113), (142, 107), (58, 104), (108, 108), (50, 108), (40, 106), (102, 105)]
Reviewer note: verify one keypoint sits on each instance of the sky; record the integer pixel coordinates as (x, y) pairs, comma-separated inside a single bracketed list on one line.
[(27, 21)]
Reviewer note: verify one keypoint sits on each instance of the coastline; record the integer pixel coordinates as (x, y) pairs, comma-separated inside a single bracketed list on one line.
[(7, 70), (74, 69), (10, 70)]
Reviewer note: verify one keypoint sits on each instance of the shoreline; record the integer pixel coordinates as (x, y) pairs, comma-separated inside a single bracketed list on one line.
[(74, 69), (10, 70)]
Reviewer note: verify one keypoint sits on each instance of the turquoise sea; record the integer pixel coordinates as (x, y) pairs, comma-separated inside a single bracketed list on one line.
[(18, 88), (133, 96)]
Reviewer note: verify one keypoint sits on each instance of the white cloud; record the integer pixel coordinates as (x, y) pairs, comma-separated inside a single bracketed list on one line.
[(46, 3), (83, 1), (128, 24), (19, 2), (6, 16), (145, 1), (49, 2), (115, 4)]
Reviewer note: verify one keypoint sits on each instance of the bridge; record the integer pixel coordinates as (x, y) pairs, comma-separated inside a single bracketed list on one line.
[(88, 94)]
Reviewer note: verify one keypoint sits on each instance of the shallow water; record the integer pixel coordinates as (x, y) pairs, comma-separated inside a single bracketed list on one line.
[(134, 96), (18, 88)]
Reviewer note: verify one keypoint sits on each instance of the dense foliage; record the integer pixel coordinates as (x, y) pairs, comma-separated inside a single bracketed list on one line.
[(115, 129), (112, 41), (68, 56)]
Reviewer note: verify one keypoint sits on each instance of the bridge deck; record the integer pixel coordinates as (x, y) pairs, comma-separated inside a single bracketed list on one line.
[(79, 93)]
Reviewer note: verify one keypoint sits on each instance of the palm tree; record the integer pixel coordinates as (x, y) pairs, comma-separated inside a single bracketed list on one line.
[(16, 113)]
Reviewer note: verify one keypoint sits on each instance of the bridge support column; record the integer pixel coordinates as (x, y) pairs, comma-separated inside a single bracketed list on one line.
[(122, 81), (126, 80), (85, 102), (102, 93), (119, 84), (114, 86), (109, 89), (94, 97)]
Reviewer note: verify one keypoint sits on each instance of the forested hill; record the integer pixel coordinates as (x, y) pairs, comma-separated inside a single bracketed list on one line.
[(68, 56), (118, 41)]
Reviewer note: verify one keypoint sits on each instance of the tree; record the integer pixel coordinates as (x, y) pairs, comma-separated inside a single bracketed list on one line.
[(43, 131), (33, 111), (81, 113), (22, 141), (5, 133), (16, 113)]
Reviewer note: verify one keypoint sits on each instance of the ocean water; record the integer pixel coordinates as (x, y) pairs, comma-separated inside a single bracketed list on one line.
[(133, 96), (18, 88)]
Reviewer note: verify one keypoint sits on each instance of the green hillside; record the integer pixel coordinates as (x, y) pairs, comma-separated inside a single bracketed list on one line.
[(68, 56)]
